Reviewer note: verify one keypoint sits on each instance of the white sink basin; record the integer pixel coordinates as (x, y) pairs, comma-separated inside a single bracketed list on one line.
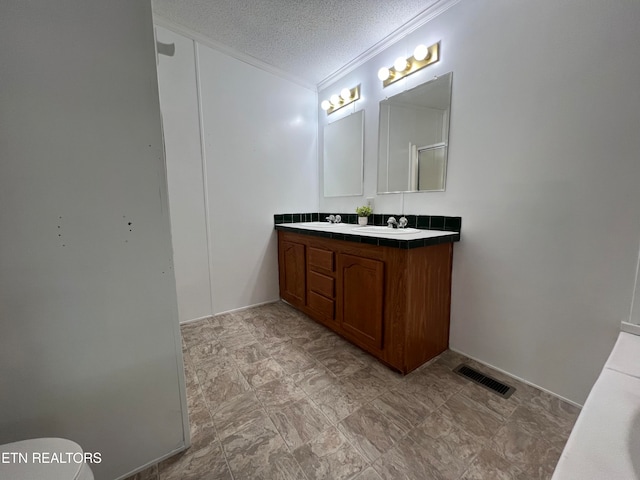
[(320, 224), (386, 230)]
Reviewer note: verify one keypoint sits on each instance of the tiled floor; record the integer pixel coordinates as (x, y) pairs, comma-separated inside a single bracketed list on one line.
[(273, 395)]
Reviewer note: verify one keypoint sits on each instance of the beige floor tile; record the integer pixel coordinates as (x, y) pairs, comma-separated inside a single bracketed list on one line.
[(368, 474), (299, 422), (208, 351), (338, 400), (281, 465), (329, 456), (202, 435), (339, 362), (237, 412), (291, 400), (370, 432), (251, 447), (252, 353), (405, 409), (236, 340), (194, 333), (449, 447), (543, 424), (429, 393), (325, 344), (228, 325), (198, 408), (375, 379), (262, 372), (314, 379), (531, 454), (451, 359), (269, 335), (361, 385), (207, 463), (408, 461), (548, 404), (292, 358), (219, 387), (443, 376), (279, 393), (488, 465), (150, 473), (471, 416)]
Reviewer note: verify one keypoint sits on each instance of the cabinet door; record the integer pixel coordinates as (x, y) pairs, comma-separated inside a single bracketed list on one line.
[(292, 272), (360, 290)]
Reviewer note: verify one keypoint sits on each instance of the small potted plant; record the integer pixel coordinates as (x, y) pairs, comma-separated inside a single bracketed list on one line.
[(363, 214)]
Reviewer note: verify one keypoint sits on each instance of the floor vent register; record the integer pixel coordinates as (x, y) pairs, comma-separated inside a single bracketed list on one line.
[(489, 383)]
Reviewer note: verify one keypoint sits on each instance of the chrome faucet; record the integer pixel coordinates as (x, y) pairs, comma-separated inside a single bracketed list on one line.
[(393, 223), (333, 219)]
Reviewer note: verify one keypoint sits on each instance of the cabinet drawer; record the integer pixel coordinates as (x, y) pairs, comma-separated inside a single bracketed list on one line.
[(322, 259), (320, 304), (321, 284)]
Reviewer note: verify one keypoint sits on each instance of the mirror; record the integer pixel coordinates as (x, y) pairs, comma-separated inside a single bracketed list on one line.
[(413, 138), (343, 156)]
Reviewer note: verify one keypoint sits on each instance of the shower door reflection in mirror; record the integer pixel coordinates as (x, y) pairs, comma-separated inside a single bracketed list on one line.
[(413, 138)]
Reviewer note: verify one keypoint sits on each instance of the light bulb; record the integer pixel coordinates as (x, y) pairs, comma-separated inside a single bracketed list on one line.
[(421, 52), (325, 105), (384, 73), (345, 94), (335, 99), (400, 64)]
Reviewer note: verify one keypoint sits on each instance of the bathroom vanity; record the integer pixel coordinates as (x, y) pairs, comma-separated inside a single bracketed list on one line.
[(386, 292)]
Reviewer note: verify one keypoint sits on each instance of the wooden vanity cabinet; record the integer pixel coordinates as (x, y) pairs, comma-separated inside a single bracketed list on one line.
[(392, 302), (321, 285), (292, 264), (360, 296)]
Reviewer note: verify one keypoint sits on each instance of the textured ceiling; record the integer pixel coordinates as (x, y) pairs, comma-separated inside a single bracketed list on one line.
[(307, 39)]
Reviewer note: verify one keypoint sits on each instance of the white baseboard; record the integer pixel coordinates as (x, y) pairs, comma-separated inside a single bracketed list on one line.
[(247, 307), (519, 379), (630, 328), (229, 311), (191, 320)]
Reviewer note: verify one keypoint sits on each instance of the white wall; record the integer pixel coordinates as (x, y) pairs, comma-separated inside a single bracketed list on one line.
[(543, 168), (260, 136), (260, 144), (179, 102), (89, 343)]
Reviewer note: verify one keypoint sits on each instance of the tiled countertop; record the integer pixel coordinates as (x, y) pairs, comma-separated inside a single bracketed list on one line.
[(355, 233)]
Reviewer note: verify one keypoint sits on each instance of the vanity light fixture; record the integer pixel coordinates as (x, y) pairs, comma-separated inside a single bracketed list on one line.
[(336, 102), (402, 67)]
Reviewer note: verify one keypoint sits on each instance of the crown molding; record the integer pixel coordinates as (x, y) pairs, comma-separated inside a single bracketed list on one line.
[(220, 47), (412, 25)]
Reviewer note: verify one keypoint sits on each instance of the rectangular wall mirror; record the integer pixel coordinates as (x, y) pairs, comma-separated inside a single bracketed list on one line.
[(413, 138), (343, 156)]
